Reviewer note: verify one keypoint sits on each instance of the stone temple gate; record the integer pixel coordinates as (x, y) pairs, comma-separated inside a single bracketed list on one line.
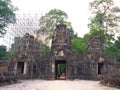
[(31, 61), (61, 47), (66, 64)]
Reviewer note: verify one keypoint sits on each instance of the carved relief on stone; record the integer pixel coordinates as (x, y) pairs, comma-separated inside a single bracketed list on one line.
[(94, 43), (60, 41), (61, 38), (61, 53), (101, 59)]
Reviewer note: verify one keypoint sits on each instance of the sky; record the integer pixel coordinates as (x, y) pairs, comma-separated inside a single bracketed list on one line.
[(77, 10)]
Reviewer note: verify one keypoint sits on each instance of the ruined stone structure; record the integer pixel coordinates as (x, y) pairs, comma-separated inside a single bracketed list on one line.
[(61, 47), (3, 65), (5, 75), (93, 64), (29, 60), (32, 61)]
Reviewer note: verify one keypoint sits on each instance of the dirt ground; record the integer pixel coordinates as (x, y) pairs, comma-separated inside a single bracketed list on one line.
[(57, 85)]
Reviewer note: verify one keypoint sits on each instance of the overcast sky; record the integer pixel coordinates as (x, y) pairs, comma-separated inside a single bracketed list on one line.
[(77, 10)]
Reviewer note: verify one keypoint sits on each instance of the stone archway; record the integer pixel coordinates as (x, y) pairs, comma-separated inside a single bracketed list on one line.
[(60, 69)]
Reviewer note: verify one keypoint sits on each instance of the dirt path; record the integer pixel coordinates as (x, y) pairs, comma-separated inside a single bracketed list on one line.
[(57, 85)]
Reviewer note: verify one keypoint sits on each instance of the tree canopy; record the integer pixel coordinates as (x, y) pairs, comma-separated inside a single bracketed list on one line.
[(49, 21), (7, 15), (4, 54), (106, 18), (78, 45), (105, 24)]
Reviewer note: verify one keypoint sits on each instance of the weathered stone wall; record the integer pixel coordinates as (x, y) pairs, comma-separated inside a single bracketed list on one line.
[(91, 60), (61, 48), (3, 66), (30, 61)]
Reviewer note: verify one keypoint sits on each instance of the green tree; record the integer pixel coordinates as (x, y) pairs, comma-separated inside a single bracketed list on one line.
[(7, 15), (117, 47), (43, 49), (105, 37), (113, 48), (105, 23), (4, 54), (79, 45), (117, 43), (49, 21), (106, 18), (72, 33)]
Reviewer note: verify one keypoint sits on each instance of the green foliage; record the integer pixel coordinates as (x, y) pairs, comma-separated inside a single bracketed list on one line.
[(105, 23), (49, 21), (4, 54), (110, 49), (106, 18), (72, 33), (58, 16), (79, 45), (105, 37), (40, 46), (7, 15), (117, 46), (113, 49), (42, 49), (98, 19), (117, 43), (118, 55), (3, 51), (62, 68)]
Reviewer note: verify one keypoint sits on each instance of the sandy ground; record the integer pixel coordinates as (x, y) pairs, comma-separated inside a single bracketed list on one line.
[(56, 85)]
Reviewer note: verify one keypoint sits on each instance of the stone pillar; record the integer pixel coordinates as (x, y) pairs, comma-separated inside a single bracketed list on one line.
[(25, 67), (15, 67), (53, 68)]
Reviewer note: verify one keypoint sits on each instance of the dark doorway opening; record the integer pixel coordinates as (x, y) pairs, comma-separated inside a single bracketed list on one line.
[(60, 69), (20, 67), (100, 66)]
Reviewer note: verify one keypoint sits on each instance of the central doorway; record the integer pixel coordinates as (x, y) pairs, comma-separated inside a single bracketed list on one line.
[(60, 69), (20, 67), (100, 67)]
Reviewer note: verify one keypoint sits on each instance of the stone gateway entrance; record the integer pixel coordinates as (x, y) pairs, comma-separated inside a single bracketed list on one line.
[(66, 64), (60, 52), (60, 69), (31, 61)]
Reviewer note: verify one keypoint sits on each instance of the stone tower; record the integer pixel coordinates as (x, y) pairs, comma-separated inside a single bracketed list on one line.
[(60, 50), (95, 62)]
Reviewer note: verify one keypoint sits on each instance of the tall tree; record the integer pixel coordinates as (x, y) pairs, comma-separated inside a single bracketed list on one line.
[(117, 47), (49, 21), (113, 48), (7, 15), (4, 54), (78, 45), (106, 17), (72, 33)]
